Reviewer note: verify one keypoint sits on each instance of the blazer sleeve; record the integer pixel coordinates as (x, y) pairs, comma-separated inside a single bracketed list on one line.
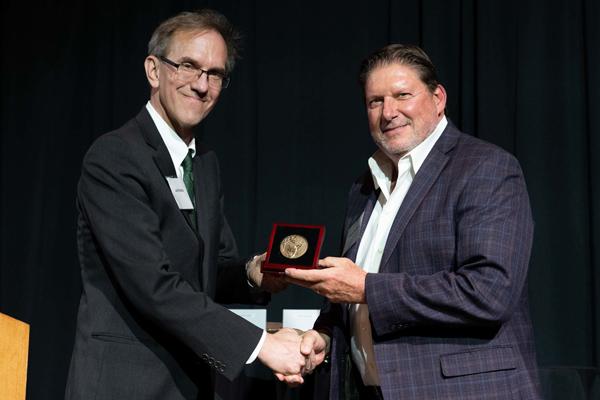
[(113, 198), (232, 280), (232, 284), (493, 236)]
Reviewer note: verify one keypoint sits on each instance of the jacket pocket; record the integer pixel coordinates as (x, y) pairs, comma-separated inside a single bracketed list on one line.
[(479, 361), (114, 338)]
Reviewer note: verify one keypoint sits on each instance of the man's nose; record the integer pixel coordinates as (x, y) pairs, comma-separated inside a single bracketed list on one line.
[(390, 108), (201, 83)]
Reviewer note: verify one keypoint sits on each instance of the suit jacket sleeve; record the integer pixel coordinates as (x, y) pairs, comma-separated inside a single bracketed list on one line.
[(493, 236), (112, 196), (232, 284), (232, 280)]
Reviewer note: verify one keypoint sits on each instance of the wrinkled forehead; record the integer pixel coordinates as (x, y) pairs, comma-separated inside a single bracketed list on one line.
[(393, 71), (184, 37)]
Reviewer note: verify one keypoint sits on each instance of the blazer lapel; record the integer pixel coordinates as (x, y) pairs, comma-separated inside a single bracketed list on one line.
[(153, 139), (201, 192), (352, 236), (161, 156), (359, 211), (425, 178)]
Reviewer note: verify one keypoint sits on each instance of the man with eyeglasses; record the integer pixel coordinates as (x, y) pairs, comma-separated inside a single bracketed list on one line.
[(155, 249)]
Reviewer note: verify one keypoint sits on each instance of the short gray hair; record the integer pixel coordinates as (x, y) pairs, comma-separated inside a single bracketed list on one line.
[(200, 20)]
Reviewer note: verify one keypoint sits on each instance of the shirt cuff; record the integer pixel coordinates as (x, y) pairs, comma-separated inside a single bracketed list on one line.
[(258, 348)]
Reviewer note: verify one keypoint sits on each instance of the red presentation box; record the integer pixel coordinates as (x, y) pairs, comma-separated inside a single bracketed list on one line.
[(293, 246)]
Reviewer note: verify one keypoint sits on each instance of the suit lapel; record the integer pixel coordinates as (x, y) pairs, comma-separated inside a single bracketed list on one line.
[(153, 139), (425, 178), (161, 155), (201, 192), (352, 236), (359, 211)]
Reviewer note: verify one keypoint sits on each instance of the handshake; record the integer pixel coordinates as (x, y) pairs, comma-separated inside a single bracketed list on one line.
[(291, 354)]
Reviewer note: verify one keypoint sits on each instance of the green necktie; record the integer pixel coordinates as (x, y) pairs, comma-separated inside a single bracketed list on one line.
[(188, 180)]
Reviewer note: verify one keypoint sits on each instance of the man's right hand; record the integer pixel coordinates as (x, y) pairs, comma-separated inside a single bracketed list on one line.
[(281, 353), (314, 347)]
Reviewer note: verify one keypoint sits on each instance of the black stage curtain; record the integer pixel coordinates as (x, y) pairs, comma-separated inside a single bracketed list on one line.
[(291, 134)]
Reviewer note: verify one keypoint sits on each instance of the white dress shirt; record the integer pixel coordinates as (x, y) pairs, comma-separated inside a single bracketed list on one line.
[(372, 243), (177, 148)]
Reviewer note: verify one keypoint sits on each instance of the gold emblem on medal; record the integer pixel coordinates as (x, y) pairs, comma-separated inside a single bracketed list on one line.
[(293, 246)]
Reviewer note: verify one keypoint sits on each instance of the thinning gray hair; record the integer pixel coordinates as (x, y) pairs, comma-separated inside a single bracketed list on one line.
[(200, 20)]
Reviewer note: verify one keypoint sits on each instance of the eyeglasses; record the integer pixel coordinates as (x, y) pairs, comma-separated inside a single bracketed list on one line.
[(188, 73)]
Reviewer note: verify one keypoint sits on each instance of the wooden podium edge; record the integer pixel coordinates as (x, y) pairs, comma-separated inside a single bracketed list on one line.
[(14, 355)]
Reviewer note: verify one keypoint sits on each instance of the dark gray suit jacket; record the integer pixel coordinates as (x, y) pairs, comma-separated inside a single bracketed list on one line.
[(448, 308), (148, 326)]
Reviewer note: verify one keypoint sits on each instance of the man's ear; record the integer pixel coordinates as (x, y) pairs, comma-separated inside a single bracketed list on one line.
[(439, 95), (151, 64)]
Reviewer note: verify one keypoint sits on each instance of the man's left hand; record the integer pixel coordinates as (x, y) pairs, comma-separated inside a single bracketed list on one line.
[(269, 282), (340, 280)]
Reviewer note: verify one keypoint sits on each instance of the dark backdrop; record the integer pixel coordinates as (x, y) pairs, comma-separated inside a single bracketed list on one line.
[(291, 133)]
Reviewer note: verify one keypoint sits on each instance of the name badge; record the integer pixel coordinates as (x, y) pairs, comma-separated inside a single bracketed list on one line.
[(180, 193)]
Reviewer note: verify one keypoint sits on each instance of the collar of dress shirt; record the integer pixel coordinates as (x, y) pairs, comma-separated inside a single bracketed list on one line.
[(177, 148), (382, 168)]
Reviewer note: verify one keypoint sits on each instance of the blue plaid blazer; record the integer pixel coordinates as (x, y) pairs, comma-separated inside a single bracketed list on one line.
[(448, 308)]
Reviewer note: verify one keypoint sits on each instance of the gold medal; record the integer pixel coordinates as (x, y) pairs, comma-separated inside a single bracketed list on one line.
[(293, 246)]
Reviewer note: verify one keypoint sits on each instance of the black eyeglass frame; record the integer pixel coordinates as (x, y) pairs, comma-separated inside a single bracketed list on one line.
[(225, 79)]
